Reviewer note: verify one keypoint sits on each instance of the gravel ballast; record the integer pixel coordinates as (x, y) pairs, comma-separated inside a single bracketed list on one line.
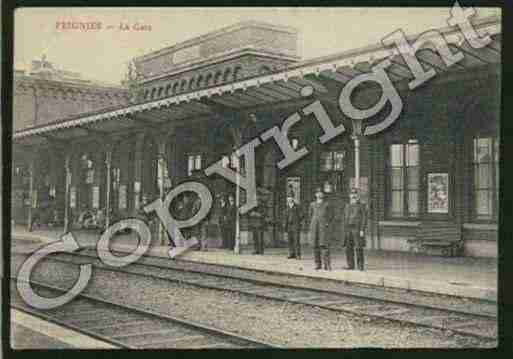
[(290, 325)]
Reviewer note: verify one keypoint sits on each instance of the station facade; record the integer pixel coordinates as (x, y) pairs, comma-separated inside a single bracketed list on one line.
[(431, 176)]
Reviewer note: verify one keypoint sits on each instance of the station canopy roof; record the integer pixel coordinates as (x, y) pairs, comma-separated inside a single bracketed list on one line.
[(273, 88)]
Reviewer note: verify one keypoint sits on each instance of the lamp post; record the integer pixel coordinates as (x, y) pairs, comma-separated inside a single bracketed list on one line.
[(108, 163), (238, 134), (357, 133)]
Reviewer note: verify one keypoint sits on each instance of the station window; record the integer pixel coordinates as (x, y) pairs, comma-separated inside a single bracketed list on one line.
[(404, 179), (87, 165), (486, 178), (193, 163), (332, 167), (331, 160)]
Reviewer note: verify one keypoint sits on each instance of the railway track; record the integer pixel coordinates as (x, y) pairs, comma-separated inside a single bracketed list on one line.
[(479, 325), (129, 327)]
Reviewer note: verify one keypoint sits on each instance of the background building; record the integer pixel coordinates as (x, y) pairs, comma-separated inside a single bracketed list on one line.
[(429, 178)]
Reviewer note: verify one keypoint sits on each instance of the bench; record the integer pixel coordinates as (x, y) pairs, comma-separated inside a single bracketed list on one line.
[(441, 237)]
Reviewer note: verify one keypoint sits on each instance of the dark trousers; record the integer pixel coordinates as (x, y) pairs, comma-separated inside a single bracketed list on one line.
[(225, 234), (230, 235), (321, 252), (294, 244), (353, 244), (258, 241)]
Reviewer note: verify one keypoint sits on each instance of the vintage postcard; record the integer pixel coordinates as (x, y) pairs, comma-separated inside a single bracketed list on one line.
[(214, 178)]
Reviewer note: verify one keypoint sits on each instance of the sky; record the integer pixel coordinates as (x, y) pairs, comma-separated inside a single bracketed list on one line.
[(103, 54)]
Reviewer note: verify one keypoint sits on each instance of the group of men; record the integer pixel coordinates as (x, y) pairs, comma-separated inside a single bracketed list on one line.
[(321, 217), (257, 222)]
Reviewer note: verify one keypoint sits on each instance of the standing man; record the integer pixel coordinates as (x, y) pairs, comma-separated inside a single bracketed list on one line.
[(291, 226), (223, 222), (355, 220), (231, 219), (257, 223), (321, 216)]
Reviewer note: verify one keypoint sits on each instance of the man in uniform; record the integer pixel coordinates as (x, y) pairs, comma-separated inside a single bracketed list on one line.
[(291, 226), (355, 220), (231, 221), (321, 216), (257, 222)]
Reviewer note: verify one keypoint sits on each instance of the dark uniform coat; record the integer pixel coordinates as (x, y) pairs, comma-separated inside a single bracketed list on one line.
[(292, 218), (321, 215), (355, 220)]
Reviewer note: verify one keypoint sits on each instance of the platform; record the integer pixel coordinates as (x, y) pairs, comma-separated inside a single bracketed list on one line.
[(30, 332), (461, 276)]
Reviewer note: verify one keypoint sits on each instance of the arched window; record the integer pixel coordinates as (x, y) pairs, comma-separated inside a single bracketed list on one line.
[(208, 79), (236, 73), (175, 88), (182, 85), (168, 89), (146, 94), (153, 91), (264, 70), (191, 83), (226, 75), (199, 82), (161, 89), (217, 77)]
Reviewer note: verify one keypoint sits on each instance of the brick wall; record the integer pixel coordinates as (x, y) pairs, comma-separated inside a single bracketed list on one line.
[(36, 102), (192, 52), (207, 76)]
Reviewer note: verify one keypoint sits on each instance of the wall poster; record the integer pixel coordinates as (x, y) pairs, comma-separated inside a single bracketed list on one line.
[(294, 187), (73, 197), (438, 193), (363, 189), (122, 197), (96, 197)]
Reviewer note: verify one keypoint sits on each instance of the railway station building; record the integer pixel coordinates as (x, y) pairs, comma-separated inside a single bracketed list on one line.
[(430, 180)]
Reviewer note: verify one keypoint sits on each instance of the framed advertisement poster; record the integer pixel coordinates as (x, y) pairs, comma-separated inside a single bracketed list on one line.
[(294, 188), (73, 197), (122, 197), (96, 197), (438, 193), (363, 188)]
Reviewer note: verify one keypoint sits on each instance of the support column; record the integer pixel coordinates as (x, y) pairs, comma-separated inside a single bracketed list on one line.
[(162, 164), (356, 162), (31, 193), (237, 133), (74, 197), (67, 169), (108, 163), (138, 169)]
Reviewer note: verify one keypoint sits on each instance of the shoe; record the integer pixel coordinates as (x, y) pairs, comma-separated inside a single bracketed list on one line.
[(318, 268), (349, 268), (290, 257)]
